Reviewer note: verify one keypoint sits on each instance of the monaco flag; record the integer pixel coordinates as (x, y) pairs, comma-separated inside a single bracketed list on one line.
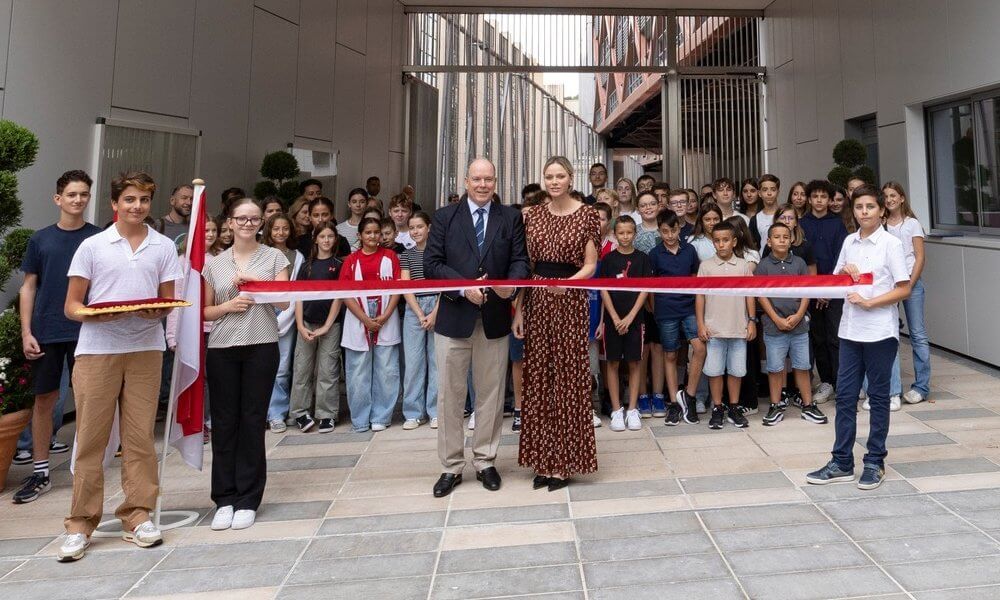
[(188, 389)]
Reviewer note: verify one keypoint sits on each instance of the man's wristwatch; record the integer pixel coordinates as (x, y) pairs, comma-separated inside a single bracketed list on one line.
[(754, 319)]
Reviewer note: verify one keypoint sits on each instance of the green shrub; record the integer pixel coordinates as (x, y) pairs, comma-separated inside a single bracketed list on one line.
[(15, 244), (10, 206), (288, 191), (15, 374), (866, 174), (279, 166), (18, 147), (850, 153), (839, 175), (265, 188)]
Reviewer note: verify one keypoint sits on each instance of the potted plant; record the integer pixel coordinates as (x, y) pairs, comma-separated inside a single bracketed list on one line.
[(280, 170), (16, 394)]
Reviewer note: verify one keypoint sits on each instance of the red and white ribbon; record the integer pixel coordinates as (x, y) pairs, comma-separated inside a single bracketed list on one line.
[(771, 286)]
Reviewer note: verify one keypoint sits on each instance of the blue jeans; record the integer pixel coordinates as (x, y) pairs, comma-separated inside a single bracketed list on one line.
[(857, 360), (783, 345), (914, 309), (278, 408), (420, 379), (372, 385), (25, 442), (726, 355)]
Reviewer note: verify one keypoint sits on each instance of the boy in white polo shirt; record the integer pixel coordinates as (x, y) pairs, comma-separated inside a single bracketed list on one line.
[(118, 360)]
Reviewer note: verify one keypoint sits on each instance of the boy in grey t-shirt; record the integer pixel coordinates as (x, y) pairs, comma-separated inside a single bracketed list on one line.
[(786, 329)]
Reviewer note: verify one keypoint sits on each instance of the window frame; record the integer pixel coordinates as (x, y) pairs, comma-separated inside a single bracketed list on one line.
[(929, 110)]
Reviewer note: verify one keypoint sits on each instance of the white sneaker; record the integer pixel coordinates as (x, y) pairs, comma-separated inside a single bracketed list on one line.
[(146, 535), (472, 421), (223, 518), (700, 407), (73, 547), (243, 518), (895, 403), (633, 420), (867, 405), (913, 397), (434, 423), (277, 425), (597, 420), (618, 420), (823, 393), (379, 427), (411, 424)]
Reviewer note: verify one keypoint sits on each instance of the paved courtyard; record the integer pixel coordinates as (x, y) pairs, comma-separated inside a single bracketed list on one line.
[(674, 512)]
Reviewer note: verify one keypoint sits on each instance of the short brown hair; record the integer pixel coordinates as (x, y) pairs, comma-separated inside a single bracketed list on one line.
[(400, 200), (137, 179)]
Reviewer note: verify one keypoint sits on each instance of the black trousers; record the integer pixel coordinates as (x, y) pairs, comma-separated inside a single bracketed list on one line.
[(240, 379), (824, 330)]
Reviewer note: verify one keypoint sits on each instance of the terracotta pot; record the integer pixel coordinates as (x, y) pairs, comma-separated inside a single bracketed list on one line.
[(11, 426)]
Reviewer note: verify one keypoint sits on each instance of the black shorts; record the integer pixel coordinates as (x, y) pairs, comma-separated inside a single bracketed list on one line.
[(47, 370), (627, 346), (652, 329)]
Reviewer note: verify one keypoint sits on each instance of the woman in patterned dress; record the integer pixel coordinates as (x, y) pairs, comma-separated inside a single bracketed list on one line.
[(557, 435)]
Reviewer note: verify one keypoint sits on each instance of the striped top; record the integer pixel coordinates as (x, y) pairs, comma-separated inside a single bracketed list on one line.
[(259, 325), (413, 261)]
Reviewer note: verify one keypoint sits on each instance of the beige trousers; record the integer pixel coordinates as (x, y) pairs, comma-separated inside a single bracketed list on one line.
[(488, 359)]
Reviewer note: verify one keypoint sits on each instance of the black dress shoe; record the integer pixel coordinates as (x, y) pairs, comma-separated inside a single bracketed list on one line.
[(446, 483), (557, 484), (490, 478), (539, 482)]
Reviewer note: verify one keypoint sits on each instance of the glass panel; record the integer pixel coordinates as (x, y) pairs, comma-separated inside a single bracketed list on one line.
[(954, 189), (988, 146)]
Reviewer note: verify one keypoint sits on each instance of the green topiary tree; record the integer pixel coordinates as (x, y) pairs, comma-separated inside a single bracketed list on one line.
[(279, 170), (850, 156)]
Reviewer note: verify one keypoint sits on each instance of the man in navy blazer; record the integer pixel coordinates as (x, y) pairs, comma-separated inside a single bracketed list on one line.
[(474, 238)]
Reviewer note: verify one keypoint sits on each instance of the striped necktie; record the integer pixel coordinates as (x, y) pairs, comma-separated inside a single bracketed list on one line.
[(480, 228)]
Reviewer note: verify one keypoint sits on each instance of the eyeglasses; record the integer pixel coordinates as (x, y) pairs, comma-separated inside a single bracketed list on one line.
[(244, 221)]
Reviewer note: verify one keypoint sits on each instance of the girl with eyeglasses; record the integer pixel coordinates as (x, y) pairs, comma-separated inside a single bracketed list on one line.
[(242, 362)]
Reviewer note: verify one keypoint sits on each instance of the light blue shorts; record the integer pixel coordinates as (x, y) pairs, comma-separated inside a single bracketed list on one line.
[(726, 355), (795, 345)]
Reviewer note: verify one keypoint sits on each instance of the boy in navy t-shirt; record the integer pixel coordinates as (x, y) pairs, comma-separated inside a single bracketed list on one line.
[(675, 316), (47, 336)]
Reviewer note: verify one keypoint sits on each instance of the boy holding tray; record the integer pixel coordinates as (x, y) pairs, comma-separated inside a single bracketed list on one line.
[(118, 360)]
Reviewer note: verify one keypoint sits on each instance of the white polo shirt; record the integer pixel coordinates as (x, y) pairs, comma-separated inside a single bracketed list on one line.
[(115, 273), (880, 254)]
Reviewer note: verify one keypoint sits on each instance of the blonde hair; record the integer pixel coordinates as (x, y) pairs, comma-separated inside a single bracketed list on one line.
[(611, 194), (562, 161)]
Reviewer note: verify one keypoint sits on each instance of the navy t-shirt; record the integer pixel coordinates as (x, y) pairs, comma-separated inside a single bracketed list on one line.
[(50, 251), (631, 265), (667, 264), (321, 269)]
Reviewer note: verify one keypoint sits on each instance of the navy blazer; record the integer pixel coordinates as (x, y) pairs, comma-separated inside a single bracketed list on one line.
[(452, 253)]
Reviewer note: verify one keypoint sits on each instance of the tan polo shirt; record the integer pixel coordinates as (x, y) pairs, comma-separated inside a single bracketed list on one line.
[(725, 316)]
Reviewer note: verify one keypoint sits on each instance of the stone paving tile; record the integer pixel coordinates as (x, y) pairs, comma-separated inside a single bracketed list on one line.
[(80, 588), (509, 557), (336, 571), (636, 525), (292, 511), (984, 519), (623, 489), (407, 588), (23, 546), (227, 577), (484, 584), (868, 508), (731, 518), (934, 468), (645, 547), (937, 547), (712, 589), (989, 592), (930, 575), (844, 491), (311, 463), (691, 567), (902, 527), (662, 431), (6, 566), (397, 522), (555, 596), (818, 557), (969, 500), (257, 553), (743, 481), (332, 438), (821, 585), (97, 564), (909, 440), (779, 536), (481, 516), (372, 544), (941, 414)]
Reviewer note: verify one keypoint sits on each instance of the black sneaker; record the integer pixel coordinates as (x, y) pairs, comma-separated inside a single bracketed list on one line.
[(796, 399), (673, 414), (718, 417), (774, 415), (830, 473), (22, 457), (736, 417), (786, 398), (813, 414), (686, 402), (871, 477), (326, 425), (34, 486), (516, 425), (748, 410), (57, 447), (305, 423)]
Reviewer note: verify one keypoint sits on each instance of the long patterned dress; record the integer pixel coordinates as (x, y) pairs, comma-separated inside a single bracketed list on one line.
[(557, 434)]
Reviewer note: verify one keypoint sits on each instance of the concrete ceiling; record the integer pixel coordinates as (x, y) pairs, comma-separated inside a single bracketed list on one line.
[(597, 4)]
